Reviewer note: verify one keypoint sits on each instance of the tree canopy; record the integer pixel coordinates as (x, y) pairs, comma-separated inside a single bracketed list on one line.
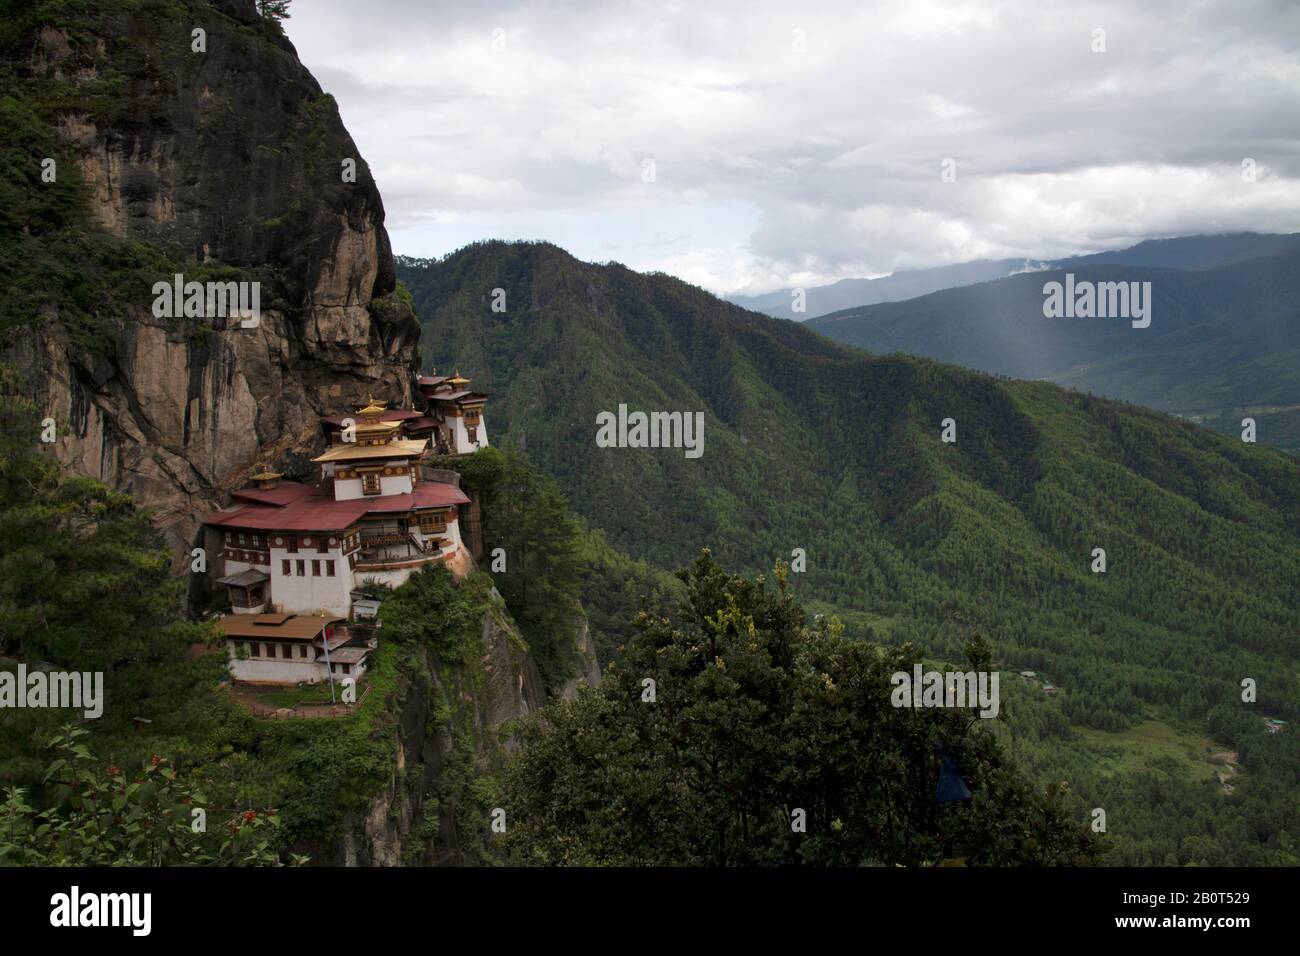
[(741, 736)]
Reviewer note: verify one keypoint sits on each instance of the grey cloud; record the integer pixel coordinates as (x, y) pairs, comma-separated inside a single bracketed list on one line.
[(838, 149)]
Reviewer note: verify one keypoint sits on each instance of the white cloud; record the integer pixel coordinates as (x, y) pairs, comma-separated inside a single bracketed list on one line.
[(795, 159)]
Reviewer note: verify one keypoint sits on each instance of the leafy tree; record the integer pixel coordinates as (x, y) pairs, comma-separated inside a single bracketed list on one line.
[(430, 610), (274, 9), (84, 581), (757, 722), (99, 817), (526, 516)]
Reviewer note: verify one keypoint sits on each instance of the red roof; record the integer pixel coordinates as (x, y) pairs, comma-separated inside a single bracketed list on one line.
[(314, 510), (281, 494), (306, 514), (427, 494), (459, 398)]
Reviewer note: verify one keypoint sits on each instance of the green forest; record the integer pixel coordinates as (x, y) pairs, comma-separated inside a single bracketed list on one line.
[(911, 540), (1221, 345), (1131, 576)]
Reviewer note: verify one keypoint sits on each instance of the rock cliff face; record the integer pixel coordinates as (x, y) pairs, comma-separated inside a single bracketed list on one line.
[(228, 158), (452, 723), (589, 672), (223, 160)]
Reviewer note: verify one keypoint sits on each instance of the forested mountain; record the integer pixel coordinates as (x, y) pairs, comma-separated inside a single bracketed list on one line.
[(1184, 252), (223, 159), (1223, 343), (810, 445)]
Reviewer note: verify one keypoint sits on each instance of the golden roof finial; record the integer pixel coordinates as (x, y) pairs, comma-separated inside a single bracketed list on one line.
[(371, 407)]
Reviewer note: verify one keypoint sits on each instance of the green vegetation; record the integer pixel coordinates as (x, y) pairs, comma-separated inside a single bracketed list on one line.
[(757, 725), (816, 446), (526, 517), (430, 611), (441, 621), (54, 262), (84, 586), (98, 817), (1151, 746), (1221, 344)]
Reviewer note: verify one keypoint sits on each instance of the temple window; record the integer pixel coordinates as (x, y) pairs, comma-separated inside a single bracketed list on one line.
[(433, 522)]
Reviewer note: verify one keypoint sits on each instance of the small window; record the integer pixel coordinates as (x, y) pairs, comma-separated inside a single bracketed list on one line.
[(270, 650), (329, 569), (302, 568), (323, 546), (302, 650), (315, 569), (285, 569), (293, 545), (473, 433), (370, 483)]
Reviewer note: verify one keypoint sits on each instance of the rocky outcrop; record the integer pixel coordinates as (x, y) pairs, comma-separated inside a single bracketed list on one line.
[(452, 723), (511, 684), (230, 158), (588, 664)]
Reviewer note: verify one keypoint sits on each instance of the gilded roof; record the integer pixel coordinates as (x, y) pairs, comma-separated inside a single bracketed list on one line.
[(351, 451)]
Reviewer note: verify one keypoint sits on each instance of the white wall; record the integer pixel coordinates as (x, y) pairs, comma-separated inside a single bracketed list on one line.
[(305, 594), (460, 435), (262, 670), (452, 533), (350, 488), (273, 670)]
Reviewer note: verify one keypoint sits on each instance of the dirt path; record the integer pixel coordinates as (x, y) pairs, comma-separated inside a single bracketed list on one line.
[(1226, 761)]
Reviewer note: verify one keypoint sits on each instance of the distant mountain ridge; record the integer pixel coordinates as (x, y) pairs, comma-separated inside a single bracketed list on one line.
[(1186, 252), (1224, 343)]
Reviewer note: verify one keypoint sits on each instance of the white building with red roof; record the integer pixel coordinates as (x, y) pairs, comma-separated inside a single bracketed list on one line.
[(292, 649), (453, 418), (300, 548)]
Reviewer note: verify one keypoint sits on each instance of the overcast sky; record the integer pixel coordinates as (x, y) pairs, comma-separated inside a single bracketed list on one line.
[(798, 143)]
